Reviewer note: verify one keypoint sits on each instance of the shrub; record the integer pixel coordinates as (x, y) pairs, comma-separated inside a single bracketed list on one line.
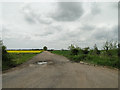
[(45, 48), (86, 50), (74, 50), (96, 51), (5, 55), (109, 45), (6, 59)]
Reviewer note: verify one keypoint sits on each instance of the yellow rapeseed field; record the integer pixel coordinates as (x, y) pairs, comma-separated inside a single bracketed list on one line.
[(24, 51)]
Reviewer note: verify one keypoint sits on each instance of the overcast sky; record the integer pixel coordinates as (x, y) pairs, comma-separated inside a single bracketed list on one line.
[(58, 24)]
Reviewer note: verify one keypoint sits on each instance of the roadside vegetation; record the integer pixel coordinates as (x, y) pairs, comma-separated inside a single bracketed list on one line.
[(108, 56), (10, 60), (16, 59)]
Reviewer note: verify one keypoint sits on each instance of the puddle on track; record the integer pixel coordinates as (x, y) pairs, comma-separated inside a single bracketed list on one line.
[(44, 63), (41, 62)]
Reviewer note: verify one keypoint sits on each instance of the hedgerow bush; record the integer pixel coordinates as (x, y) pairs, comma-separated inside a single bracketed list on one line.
[(108, 56), (6, 59), (74, 50)]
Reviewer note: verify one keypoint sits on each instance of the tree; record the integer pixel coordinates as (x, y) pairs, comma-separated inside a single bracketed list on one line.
[(106, 46), (109, 45), (74, 49), (1, 47), (96, 51), (113, 45), (71, 47), (119, 55), (6, 58), (119, 50), (0, 54), (5, 55), (86, 50), (45, 48)]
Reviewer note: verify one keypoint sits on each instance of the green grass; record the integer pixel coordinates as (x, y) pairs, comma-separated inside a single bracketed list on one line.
[(21, 57), (101, 59), (16, 59), (61, 52)]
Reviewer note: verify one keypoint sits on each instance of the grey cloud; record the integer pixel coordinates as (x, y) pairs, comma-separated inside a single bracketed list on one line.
[(115, 4), (30, 20), (28, 14), (50, 30), (95, 9), (34, 17), (68, 11), (15, 43), (43, 34), (101, 35), (106, 33), (4, 29), (69, 35), (42, 30), (115, 32), (44, 22), (87, 27)]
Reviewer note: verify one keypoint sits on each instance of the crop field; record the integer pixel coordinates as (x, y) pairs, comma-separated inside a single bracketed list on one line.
[(24, 51)]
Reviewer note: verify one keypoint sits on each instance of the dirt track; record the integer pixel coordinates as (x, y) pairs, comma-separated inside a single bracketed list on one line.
[(59, 73)]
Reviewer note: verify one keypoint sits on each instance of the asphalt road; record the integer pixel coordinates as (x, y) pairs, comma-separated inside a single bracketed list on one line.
[(59, 73)]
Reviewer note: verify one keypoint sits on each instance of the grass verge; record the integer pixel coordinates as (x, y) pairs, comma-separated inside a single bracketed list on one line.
[(104, 60), (17, 59)]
